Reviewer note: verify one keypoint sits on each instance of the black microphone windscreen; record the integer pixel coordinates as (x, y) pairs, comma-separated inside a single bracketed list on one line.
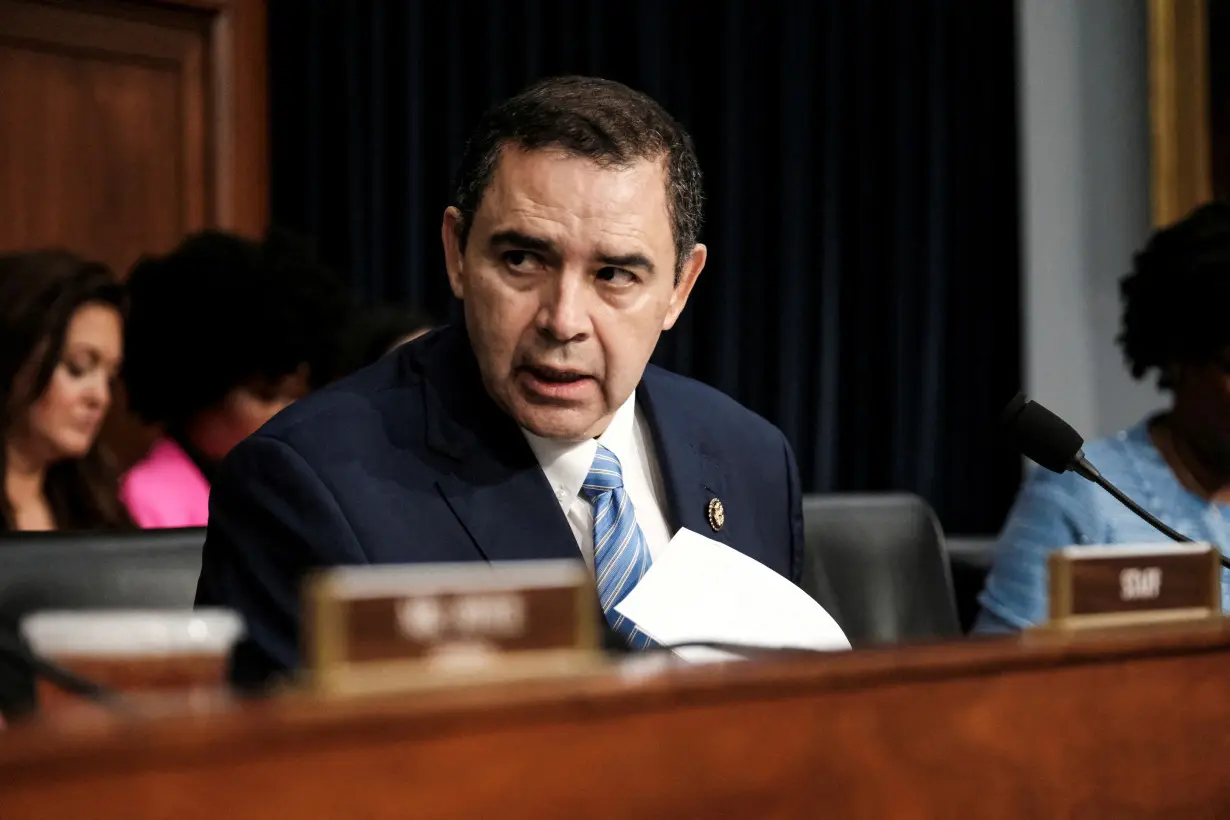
[(1041, 435)]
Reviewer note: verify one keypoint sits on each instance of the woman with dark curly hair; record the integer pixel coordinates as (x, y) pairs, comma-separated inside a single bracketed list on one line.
[(223, 333), (61, 326), (1176, 464)]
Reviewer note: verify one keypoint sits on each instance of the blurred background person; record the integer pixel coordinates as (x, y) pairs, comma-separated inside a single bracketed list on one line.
[(224, 333), (61, 341), (381, 328), (1176, 463)]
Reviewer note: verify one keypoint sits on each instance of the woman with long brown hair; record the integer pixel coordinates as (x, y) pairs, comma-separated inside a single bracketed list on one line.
[(61, 341)]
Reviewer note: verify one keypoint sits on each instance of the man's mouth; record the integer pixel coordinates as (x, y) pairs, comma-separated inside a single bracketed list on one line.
[(555, 375), (555, 384)]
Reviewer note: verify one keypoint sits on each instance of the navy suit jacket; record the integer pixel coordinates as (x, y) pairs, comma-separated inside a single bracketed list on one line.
[(409, 460)]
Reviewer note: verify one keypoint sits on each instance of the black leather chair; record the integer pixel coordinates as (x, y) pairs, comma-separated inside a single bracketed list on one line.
[(145, 569), (971, 558), (885, 560)]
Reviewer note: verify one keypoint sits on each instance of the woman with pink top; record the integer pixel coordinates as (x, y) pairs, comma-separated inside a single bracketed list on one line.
[(223, 333)]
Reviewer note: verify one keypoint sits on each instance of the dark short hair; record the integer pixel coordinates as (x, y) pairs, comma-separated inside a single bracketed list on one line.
[(40, 291), (221, 311), (601, 120), (1175, 298)]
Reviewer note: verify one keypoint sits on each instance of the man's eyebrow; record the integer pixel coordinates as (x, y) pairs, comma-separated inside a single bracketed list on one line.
[(627, 260), (524, 241)]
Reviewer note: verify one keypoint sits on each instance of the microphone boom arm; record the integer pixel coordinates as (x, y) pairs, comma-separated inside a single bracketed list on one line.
[(1082, 466)]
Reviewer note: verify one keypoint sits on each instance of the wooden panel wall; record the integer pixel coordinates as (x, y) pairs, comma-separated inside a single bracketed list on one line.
[(1179, 108), (125, 125)]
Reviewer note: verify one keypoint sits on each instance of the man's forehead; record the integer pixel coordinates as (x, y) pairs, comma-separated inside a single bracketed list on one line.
[(565, 200), (554, 177)]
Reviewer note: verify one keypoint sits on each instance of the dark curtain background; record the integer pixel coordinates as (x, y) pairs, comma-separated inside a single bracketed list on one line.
[(863, 285)]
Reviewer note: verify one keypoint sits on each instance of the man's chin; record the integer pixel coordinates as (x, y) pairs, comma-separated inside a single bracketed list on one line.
[(560, 423)]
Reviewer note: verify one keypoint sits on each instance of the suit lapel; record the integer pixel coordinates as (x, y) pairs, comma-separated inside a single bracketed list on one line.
[(493, 483), (691, 475), (510, 514)]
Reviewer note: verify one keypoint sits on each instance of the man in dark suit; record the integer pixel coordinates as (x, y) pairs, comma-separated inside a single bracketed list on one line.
[(535, 429)]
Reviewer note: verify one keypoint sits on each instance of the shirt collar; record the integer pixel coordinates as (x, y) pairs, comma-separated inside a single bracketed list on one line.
[(567, 463)]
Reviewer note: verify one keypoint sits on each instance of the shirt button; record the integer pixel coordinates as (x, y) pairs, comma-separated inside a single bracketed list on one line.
[(561, 494)]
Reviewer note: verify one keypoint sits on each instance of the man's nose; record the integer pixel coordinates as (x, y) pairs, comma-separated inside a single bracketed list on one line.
[(565, 311)]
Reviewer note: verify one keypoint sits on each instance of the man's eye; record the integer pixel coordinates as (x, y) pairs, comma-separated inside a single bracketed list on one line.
[(522, 261), (617, 276)]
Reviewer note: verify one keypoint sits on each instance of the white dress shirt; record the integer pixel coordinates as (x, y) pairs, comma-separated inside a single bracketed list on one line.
[(566, 464)]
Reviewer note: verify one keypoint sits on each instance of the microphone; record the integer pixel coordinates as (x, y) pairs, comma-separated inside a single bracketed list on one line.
[(1050, 441), (18, 695), (20, 667)]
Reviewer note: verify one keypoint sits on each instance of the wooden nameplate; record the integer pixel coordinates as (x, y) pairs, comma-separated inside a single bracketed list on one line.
[(371, 629), (1096, 587)]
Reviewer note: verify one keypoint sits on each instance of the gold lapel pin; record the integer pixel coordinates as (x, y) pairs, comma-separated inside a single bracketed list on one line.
[(717, 514)]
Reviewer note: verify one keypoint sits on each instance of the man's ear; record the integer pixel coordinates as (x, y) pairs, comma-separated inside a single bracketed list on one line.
[(454, 256), (688, 275)]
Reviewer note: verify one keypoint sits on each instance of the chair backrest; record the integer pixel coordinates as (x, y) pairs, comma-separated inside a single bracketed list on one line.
[(884, 557), (145, 569), (971, 557)]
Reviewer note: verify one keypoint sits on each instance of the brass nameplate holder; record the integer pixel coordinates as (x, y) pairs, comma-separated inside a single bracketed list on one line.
[(376, 628), (1109, 586)]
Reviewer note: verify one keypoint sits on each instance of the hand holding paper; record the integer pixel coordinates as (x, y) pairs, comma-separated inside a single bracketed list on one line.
[(702, 591)]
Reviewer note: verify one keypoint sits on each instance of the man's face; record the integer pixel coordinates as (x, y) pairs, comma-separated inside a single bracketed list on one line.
[(568, 280)]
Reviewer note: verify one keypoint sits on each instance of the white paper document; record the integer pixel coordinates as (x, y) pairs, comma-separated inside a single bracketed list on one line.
[(702, 591)]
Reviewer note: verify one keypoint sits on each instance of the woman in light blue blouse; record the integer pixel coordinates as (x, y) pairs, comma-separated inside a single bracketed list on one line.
[(1176, 464)]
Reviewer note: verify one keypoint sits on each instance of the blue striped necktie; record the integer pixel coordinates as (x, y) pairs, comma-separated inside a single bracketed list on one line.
[(621, 556)]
